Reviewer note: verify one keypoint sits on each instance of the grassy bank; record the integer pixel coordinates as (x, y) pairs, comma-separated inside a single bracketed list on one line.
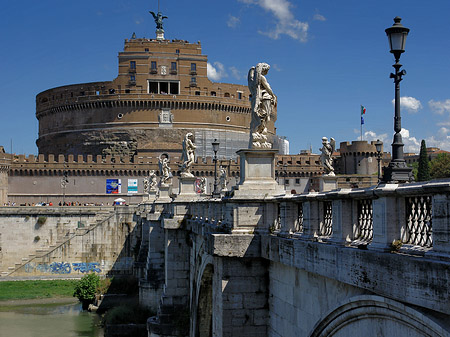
[(19, 290)]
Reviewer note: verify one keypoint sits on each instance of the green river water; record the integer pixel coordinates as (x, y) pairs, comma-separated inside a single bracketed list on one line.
[(61, 320)]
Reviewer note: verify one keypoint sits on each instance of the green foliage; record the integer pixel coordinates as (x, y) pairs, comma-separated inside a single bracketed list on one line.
[(126, 314), (86, 288), (423, 173), (440, 166), (37, 238), (15, 290), (41, 220), (415, 169), (104, 285)]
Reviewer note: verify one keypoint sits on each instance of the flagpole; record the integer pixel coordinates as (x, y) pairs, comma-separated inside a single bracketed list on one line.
[(363, 111)]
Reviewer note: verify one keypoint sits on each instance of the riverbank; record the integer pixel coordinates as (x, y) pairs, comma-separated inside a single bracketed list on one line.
[(36, 290)]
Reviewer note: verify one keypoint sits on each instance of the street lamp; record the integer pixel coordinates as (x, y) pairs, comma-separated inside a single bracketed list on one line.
[(215, 145), (378, 146), (397, 171)]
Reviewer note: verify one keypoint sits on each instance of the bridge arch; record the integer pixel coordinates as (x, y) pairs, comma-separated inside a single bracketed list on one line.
[(375, 316), (201, 309), (204, 304)]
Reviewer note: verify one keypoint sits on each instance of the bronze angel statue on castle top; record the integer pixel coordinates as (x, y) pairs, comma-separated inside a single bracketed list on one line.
[(158, 19)]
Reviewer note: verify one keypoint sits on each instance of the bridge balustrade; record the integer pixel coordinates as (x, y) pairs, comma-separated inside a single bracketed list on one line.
[(413, 218)]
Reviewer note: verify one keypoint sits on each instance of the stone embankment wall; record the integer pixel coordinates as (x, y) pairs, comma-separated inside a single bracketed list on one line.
[(67, 241)]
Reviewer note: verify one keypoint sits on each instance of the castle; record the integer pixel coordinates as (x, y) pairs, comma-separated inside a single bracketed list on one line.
[(92, 133)]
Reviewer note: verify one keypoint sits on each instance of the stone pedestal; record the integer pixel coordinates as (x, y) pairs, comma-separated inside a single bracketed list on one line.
[(187, 188), (151, 196), (327, 183), (160, 34), (257, 175), (164, 193)]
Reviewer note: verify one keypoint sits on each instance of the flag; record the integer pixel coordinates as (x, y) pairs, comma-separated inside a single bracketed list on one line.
[(363, 110), (362, 120)]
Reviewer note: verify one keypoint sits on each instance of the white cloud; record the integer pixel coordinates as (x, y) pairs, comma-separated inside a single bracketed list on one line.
[(275, 67), (440, 140), (215, 72), (286, 22), (411, 104), (233, 21), (235, 73), (319, 17), (411, 143), (439, 106), (371, 135)]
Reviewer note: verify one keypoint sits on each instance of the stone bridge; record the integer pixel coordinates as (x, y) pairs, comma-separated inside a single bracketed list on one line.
[(342, 263)]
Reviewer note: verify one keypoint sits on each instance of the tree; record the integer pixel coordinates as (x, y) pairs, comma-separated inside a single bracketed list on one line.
[(86, 288), (440, 166), (423, 173)]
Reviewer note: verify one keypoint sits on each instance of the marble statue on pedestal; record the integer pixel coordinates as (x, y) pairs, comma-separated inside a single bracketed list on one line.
[(327, 151), (202, 185), (146, 185), (164, 169), (152, 180), (188, 156), (223, 178), (263, 102)]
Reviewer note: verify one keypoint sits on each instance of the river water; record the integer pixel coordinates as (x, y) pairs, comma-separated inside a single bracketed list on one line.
[(62, 320)]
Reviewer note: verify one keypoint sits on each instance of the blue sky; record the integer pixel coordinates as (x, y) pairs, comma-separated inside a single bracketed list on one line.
[(327, 58)]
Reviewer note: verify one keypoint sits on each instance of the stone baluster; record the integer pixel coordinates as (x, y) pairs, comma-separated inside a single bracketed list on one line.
[(387, 209), (342, 218), (311, 218), (288, 210), (441, 224)]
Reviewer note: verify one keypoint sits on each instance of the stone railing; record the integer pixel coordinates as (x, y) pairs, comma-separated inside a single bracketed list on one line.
[(412, 218)]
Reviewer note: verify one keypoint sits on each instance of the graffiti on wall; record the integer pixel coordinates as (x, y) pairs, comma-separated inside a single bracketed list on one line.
[(63, 267), (87, 267)]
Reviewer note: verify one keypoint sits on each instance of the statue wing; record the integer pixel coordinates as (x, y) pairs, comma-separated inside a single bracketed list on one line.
[(333, 144), (154, 15), (164, 17), (184, 153), (252, 81)]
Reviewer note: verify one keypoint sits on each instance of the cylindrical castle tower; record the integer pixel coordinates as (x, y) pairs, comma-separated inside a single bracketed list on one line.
[(359, 157), (162, 92)]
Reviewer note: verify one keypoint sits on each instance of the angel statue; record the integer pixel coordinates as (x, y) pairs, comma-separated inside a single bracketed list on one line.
[(146, 184), (327, 150), (164, 169), (152, 180), (223, 178), (158, 19), (202, 185), (263, 102), (188, 156)]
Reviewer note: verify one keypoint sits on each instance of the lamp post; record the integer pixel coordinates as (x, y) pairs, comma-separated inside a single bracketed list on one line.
[(397, 171), (215, 145), (378, 146)]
